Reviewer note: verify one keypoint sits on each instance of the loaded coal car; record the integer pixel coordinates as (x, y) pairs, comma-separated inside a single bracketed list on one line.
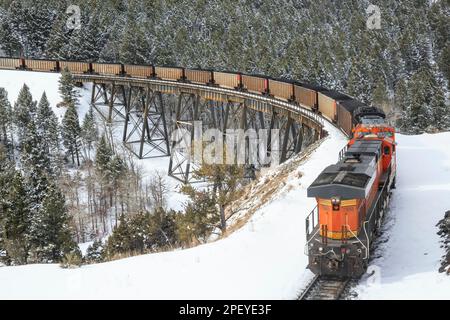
[(10, 63), (109, 69), (327, 100), (138, 71), (75, 67), (169, 73), (344, 112), (255, 84), (352, 197), (41, 65), (306, 95), (198, 76), (281, 89), (227, 80)]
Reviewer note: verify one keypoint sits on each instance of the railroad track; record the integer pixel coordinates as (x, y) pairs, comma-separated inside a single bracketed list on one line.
[(321, 288)]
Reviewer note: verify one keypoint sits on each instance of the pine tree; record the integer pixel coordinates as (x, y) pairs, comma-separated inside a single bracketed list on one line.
[(24, 111), (106, 170), (103, 157), (67, 89), (359, 81), (51, 231), (110, 51), (120, 240), (48, 129), (402, 103), (8, 42), (199, 218), (19, 24), (94, 253), (5, 115), (56, 46), (40, 26), (140, 237), (444, 63), (117, 172), (35, 163), (31, 25), (71, 133), (7, 173), (89, 132), (17, 221), (34, 155), (380, 98), (164, 228), (225, 180), (419, 114), (428, 110), (86, 43), (441, 110), (133, 47)]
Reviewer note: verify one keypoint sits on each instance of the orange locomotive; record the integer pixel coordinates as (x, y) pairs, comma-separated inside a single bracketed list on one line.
[(352, 196)]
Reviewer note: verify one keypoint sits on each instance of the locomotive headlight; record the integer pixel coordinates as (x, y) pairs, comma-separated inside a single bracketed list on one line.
[(320, 249), (336, 202)]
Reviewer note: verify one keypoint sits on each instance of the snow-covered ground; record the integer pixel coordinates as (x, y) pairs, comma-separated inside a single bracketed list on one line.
[(264, 259), (409, 259), (38, 82)]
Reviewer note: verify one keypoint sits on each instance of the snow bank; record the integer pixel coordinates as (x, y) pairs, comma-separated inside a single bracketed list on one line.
[(410, 257)]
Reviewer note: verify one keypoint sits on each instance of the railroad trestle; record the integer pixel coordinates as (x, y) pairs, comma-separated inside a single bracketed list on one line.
[(154, 112)]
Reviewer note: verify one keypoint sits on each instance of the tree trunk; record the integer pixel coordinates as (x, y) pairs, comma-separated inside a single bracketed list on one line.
[(78, 157), (223, 222)]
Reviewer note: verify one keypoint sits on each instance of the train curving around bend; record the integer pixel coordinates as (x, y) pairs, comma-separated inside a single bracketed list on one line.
[(336, 107), (352, 197)]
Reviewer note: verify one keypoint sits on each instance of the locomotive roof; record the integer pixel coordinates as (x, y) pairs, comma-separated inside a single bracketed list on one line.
[(365, 147), (351, 177)]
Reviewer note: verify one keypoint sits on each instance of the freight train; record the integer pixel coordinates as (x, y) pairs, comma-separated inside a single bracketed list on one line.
[(352, 197), (334, 106)]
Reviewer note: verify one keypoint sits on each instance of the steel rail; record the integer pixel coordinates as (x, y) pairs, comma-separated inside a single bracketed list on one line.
[(322, 288)]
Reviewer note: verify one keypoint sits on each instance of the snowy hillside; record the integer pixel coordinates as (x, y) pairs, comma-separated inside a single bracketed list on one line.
[(264, 259)]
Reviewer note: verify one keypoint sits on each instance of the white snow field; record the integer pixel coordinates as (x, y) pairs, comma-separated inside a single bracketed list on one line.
[(265, 259), (410, 256)]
